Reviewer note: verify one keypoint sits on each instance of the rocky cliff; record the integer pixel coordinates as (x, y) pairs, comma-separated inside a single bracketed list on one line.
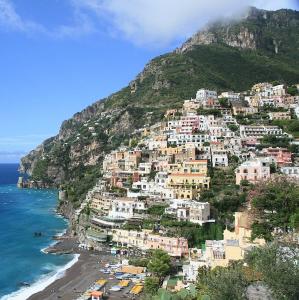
[(227, 55)]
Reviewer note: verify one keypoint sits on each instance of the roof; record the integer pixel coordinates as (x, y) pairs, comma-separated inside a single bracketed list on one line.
[(137, 289), (101, 281), (132, 269), (96, 293), (124, 283)]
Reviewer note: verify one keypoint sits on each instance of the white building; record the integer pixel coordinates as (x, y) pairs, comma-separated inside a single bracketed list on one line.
[(182, 139), (231, 96), (145, 168), (154, 144), (126, 208), (219, 158), (192, 211), (161, 179), (203, 95), (278, 90), (291, 171), (259, 131), (190, 270)]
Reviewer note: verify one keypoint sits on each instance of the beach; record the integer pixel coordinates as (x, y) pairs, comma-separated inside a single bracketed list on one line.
[(79, 277)]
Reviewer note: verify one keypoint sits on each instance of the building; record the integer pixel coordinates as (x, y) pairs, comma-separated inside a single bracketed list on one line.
[(189, 178), (292, 172), (146, 240), (244, 110), (282, 156), (157, 142), (101, 202), (192, 211), (278, 90), (126, 208), (203, 95), (231, 96), (252, 171), (233, 247), (190, 106), (280, 115), (219, 158), (259, 131)]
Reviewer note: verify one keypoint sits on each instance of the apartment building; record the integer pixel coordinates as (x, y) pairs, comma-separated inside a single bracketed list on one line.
[(280, 115), (146, 240), (252, 171), (203, 95), (219, 158), (126, 208), (282, 156), (259, 131)]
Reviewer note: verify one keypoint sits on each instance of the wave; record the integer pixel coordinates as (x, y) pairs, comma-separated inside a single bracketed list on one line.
[(53, 243), (42, 283)]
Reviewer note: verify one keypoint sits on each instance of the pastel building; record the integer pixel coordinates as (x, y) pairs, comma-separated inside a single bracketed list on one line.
[(252, 171), (188, 179), (146, 240), (282, 156), (281, 115)]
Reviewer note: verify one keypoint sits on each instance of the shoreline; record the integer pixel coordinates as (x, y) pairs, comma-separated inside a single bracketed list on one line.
[(79, 277), (61, 245)]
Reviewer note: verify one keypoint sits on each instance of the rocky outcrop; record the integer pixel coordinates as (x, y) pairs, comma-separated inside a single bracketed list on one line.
[(250, 32)]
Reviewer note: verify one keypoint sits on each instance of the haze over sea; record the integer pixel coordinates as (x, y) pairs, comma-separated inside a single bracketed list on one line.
[(22, 213)]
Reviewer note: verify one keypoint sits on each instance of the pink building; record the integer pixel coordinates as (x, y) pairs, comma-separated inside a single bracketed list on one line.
[(189, 124), (252, 171), (282, 156), (146, 240)]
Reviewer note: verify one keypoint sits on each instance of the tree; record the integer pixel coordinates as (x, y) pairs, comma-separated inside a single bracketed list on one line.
[(159, 263), (224, 102), (275, 205), (292, 90), (279, 269), (156, 210), (223, 283), (233, 127), (151, 285)]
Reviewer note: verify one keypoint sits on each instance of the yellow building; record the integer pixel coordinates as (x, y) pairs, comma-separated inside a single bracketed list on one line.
[(234, 245), (189, 178)]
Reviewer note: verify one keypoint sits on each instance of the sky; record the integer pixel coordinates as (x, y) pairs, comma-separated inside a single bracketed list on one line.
[(59, 56)]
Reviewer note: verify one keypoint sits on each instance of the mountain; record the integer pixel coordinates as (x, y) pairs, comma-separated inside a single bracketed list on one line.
[(226, 55)]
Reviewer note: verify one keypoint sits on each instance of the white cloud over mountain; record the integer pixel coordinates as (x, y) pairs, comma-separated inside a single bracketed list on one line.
[(143, 22), (165, 21)]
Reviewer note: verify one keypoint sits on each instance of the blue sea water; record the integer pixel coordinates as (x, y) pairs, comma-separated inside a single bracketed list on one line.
[(23, 212)]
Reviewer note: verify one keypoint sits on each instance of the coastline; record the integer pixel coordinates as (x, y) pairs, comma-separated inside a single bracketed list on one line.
[(61, 245)]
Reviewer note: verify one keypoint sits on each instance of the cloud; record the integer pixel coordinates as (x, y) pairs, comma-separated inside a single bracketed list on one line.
[(161, 22), (143, 22), (11, 20)]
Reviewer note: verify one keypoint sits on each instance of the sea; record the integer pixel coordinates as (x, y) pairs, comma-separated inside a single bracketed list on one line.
[(24, 268)]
